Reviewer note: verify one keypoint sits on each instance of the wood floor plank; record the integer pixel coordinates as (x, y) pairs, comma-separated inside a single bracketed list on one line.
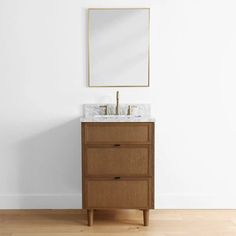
[(118, 223)]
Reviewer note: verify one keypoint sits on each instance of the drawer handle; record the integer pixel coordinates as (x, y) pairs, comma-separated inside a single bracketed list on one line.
[(116, 145), (117, 177)]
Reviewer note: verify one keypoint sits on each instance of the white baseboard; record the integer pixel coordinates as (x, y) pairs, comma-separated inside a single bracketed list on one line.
[(196, 201), (41, 201), (74, 201)]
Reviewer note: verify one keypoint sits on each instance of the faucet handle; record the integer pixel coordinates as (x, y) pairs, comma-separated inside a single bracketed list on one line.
[(105, 109), (130, 109)]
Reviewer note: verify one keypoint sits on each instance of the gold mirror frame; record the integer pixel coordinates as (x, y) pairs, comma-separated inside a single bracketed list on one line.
[(112, 86)]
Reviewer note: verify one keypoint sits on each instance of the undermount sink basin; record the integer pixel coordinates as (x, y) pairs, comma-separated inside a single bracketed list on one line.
[(117, 116)]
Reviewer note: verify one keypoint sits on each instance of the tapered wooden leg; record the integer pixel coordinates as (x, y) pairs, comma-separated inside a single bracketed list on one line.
[(145, 217), (90, 217)]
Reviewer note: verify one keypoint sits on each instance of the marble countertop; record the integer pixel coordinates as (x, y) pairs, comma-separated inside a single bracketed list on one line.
[(95, 113), (117, 119)]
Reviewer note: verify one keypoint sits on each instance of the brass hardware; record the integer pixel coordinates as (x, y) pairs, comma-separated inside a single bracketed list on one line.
[(117, 103), (130, 110), (105, 109), (89, 48)]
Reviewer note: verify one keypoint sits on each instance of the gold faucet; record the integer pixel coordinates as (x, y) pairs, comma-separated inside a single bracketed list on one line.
[(129, 112), (105, 109), (117, 103)]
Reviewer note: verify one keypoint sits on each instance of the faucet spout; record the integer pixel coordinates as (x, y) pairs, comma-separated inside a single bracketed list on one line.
[(117, 103)]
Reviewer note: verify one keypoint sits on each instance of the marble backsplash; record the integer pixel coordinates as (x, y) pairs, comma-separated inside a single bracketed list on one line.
[(91, 110)]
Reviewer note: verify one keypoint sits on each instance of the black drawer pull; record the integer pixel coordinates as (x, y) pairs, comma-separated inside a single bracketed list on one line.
[(117, 177), (116, 145)]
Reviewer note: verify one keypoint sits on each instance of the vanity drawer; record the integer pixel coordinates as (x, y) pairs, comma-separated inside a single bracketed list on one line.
[(124, 160), (117, 132), (110, 193)]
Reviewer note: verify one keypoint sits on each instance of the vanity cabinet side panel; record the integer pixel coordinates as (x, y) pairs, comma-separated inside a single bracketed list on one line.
[(152, 162), (83, 164)]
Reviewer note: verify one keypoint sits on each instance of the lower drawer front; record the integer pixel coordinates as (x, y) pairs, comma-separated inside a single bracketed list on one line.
[(117, 193)]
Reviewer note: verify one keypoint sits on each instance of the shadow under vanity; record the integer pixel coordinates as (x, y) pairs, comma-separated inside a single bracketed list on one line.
[(118, 159)]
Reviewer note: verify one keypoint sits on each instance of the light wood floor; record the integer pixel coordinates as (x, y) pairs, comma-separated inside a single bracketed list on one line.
[(118, 223)]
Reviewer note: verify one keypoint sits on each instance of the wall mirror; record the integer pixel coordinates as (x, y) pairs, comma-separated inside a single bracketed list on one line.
[(118, 47)]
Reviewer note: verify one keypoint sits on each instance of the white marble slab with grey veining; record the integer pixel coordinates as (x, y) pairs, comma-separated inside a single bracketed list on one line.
[(96, 113)]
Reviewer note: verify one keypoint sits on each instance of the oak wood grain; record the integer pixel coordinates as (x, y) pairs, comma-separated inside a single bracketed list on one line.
[(118, 161), (118, 166), (121, 193), (109, 132), (118, 222)]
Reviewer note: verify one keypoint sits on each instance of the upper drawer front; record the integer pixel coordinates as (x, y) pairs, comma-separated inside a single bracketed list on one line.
[(118, 161), (117, 133)]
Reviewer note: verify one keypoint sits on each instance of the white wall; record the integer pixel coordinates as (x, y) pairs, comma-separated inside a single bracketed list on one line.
[(43, 85)]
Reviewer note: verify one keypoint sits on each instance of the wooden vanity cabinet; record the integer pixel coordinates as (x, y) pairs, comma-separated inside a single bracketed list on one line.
[(118, 166)]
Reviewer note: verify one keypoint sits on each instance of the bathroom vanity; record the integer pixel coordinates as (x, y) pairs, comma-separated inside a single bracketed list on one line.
[(118, 140), (118, 164)]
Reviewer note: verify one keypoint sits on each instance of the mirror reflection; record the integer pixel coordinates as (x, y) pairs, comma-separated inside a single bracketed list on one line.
[(119, 47)]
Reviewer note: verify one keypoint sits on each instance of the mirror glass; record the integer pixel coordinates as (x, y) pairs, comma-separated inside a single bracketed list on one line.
[(118, 47)]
